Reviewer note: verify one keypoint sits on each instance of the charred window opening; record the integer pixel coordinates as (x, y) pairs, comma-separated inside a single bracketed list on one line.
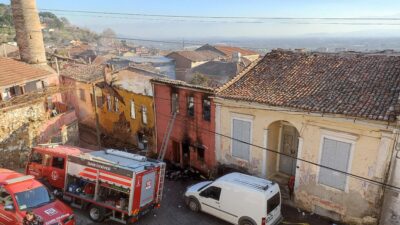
[(142, 141), (109, 106), (100, 101), (200, 154), (206, 109), (174, 103), (116, 104), (190, 106)]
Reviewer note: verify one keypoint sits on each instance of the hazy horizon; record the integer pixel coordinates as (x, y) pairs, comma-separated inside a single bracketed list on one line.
[(167, 28)]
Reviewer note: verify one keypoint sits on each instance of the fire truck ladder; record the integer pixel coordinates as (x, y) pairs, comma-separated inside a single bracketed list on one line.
[(165, 141), (161, 183)]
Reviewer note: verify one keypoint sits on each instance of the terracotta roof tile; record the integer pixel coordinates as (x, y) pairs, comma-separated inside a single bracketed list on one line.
[(179, 83), (16, 72), (359, 85), (229, 50), (84, 73)]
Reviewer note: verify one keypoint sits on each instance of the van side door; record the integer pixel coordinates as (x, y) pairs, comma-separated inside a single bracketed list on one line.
[(8, 214), (209, 200)]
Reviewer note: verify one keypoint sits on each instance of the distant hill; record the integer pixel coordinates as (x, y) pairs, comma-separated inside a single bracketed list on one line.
[(56, 30)]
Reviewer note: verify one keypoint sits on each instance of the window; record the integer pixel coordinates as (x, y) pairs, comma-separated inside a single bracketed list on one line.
[(200, 154), (100, 101), (116, 104), (206, 109), (144, 114), (31, 86), (273, 202), (58, 162), (109, 103), (190, 106), (175, 103), (5, 198), (335, 154), (82, 95), (133, 113), (37, 157), (211, 192), (241, 133), (91, 98)]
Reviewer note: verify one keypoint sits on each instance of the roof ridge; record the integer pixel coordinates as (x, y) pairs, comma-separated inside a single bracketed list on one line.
[(239, 75)]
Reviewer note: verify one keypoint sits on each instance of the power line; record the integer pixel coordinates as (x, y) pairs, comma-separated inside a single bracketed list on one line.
[(225, 17), (273, 20), (185, 121)]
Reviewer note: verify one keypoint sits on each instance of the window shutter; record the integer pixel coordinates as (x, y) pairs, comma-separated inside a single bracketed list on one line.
[(133, 113), (241, 131), (336, 155)]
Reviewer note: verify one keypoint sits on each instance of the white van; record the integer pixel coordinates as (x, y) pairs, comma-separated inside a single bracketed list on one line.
[(237, 198)]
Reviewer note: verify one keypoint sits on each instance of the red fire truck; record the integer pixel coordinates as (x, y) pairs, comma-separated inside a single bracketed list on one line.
[(109, 183), (20, 193)]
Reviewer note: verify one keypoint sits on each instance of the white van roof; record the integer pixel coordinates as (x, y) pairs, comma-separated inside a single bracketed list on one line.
[(247, 181)]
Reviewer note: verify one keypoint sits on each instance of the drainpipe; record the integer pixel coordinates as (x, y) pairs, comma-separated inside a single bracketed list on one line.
[(155, 120), (388, 173), (97, 117)]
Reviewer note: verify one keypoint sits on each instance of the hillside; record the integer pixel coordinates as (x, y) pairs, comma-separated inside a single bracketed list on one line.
[(56, 30)]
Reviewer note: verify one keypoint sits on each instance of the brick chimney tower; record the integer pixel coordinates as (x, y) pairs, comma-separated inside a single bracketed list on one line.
[(28, 31)]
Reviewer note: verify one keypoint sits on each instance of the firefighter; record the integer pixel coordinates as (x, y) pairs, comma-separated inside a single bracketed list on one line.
[(31, 219)]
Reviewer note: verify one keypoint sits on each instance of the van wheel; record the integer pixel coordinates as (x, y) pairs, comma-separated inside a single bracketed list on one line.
[(246, 222), (96, 213), (194, 205)]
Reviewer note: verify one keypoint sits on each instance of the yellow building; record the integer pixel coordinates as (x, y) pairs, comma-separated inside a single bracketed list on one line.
[(328, 121), (126, 107)]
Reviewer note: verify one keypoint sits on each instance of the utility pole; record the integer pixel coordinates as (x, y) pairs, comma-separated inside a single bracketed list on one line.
[(97, 117)]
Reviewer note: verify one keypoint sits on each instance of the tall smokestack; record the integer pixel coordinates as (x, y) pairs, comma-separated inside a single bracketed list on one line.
[(28, 31)]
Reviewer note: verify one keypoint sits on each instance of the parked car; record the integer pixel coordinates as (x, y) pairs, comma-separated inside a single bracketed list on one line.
[(237, 198), (20, 193)]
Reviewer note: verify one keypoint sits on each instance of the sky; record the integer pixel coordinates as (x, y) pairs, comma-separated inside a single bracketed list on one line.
[(157, 28)]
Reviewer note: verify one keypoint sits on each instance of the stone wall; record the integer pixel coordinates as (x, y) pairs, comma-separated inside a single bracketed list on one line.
[(23, 126), (19, 128)]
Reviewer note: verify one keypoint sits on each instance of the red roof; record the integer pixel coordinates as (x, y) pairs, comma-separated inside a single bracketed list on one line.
[(357, 85), (14, 72), (229, 50)]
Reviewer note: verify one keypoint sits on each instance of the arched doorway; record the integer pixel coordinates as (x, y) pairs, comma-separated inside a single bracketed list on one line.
[(289, 144), (283, 137)]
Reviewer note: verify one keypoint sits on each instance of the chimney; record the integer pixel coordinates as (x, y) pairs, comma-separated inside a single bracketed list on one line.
[(28, 31), (236, 57), (108, 69)]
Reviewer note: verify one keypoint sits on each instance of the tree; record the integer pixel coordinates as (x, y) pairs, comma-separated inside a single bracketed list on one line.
[(199, 79), (108, 33)]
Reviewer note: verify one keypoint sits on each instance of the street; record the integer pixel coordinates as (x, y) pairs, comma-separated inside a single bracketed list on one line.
[(173, 211)]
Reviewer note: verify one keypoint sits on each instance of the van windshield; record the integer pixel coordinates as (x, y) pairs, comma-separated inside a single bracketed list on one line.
[(273, 202), (33, 198), (204, 186)]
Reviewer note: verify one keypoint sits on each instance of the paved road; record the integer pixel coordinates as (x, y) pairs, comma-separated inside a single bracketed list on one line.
[(174, 212)]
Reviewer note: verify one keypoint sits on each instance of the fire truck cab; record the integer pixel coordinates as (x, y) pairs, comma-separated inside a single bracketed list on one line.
[(109, 183), (48, 163), (20, 193)]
